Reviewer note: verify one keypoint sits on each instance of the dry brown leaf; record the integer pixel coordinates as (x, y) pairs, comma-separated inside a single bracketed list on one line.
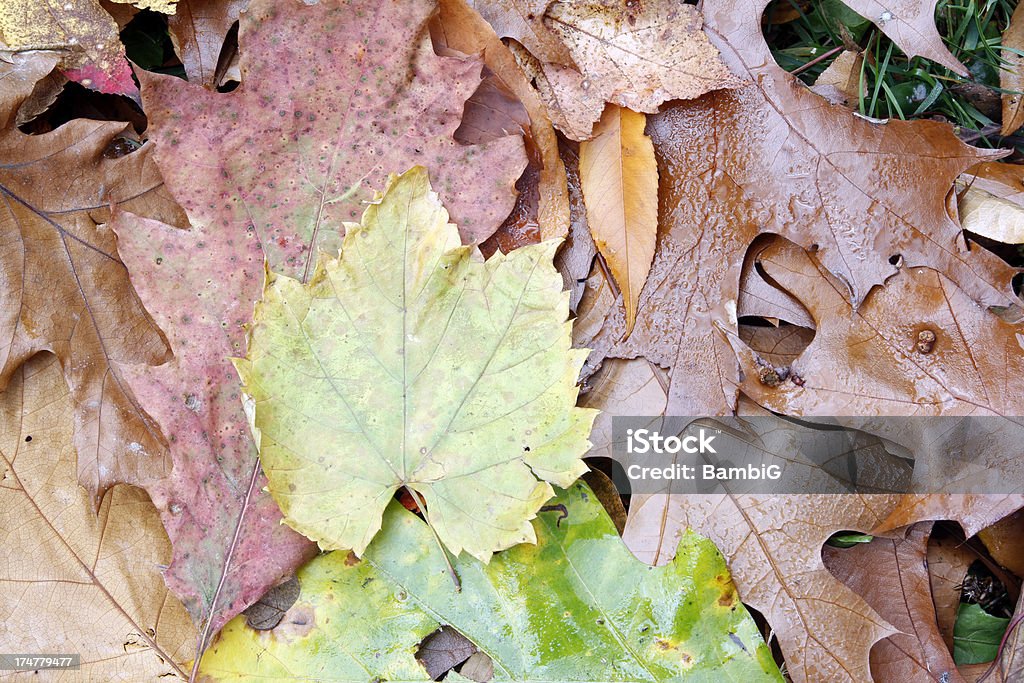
[(576, 257), (773, 547), (64, 288), (840, 81), (1011, 661), (990, 200), (198, 29), (1011, 75), (781, 345), (72, 580), (83, 32), (948, 559), (916, 346), (619, 177), (1005, 542), (772, 544), (892, 576), (775, 157), (458, 27), (633, 54), (523, 21), (763, 299)]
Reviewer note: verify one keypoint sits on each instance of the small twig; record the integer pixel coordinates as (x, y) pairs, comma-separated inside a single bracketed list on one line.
[(818, 59), (444, 552)]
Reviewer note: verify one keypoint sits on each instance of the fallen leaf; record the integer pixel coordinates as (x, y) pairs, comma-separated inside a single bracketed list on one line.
[(991, 202), (460, 28), (1011, 75), (429, 370), (764, 299), (523, 21), (772, 545), (977, 635), (200, 286), (774, 157), (891, 574), (636, 55), (64, 288), (267, 612), (919, 345), (948, 559), (780, 346), (198, 29), (576, 257), (71, 580), (297, 160), (84, 33), (619, 178), (1003, 542), (911, 25), (44, 94), (533, 609), (1011, 660), (443, 650), (840, 82)]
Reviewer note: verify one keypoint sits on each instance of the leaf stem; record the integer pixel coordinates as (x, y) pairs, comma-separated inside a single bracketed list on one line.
[(444, 552)]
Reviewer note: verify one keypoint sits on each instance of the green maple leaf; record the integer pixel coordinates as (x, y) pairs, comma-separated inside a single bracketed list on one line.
[(575, 607), (411, 362)]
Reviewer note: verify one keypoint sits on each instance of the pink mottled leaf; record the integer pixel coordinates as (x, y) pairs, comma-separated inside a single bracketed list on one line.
[(334, 97), (229, 544)]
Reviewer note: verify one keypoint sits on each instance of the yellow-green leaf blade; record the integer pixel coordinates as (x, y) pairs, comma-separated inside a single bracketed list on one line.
[(575, 607), (412, 362)]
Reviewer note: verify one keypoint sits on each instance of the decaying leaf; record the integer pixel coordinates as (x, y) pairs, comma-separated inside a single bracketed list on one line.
[(410, 362), (84, 33), (774, 543), (840, 82), (534, 609), (523, 20), (619, 178), (775, 157), (633, 54), (64, 288), (200, 285), (990, 200), (1011, 75), (333, 97), (72, 580), (891, 574), (1003, 542), (198, 29), (576, 257), (460, 28), (948, 559), (913, 347), (911, 25)]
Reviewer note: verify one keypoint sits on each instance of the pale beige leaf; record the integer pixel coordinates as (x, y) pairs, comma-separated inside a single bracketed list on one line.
[(840, 82), (633, 54), (72, 580), (990, 201), (619, 176)]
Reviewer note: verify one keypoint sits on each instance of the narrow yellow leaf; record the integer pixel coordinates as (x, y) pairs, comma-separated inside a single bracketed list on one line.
[(1011, 77), (619, 176)]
